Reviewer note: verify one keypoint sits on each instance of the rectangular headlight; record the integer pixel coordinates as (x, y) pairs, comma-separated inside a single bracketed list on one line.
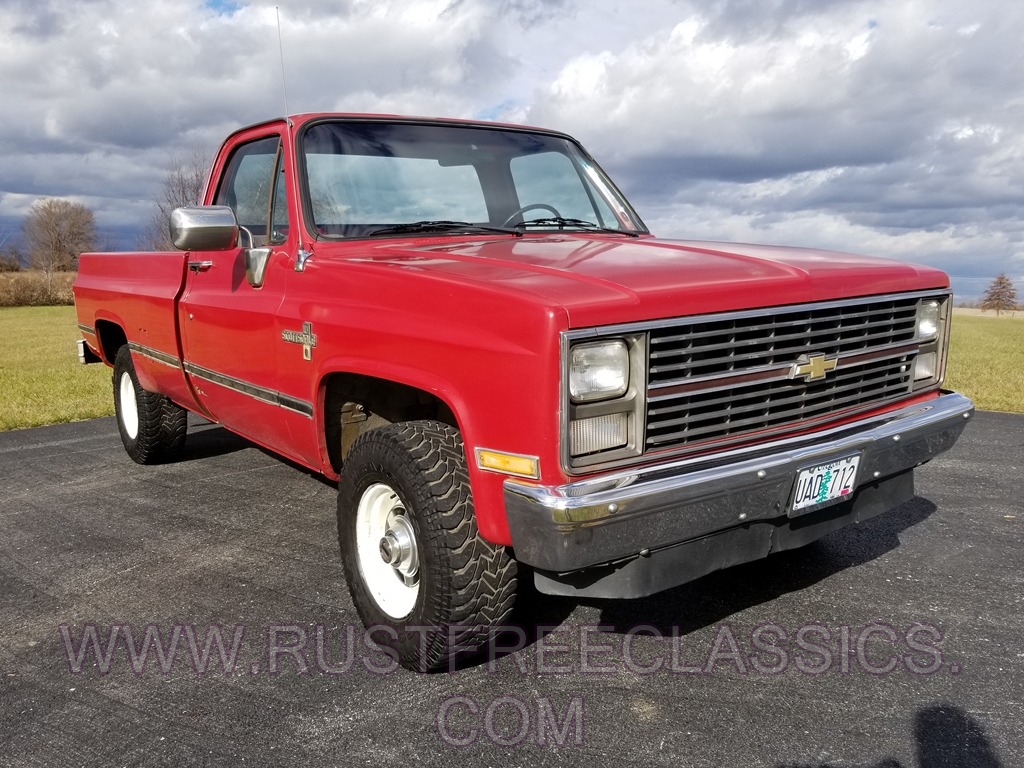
[(928, 318), (598, 371)]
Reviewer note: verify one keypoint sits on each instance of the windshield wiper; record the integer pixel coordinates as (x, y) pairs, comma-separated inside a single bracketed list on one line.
[(441, 226), (562, 223)]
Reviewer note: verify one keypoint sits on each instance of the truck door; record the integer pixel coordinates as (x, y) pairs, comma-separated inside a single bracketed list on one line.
[(228, 326)]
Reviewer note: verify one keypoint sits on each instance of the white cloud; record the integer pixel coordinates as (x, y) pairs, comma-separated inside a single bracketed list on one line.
[(863, 125), (893, 129)]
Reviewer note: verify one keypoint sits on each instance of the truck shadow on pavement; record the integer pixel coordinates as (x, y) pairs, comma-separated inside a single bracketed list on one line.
[(207, 440), (713, 598), (946, 737)]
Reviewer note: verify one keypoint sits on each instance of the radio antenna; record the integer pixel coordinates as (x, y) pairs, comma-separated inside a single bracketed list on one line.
[(280, 48), (303, 255)]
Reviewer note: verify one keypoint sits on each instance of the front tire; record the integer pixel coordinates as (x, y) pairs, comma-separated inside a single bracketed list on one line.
[(412, 554), (152, 427)]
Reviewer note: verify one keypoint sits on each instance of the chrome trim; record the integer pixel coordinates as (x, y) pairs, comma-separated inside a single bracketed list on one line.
[(252, 390), (256, 260), (155, 354), (728, 380), (648, 325), (87, 329), (203, 228), (305, 337), (480, 465), (199, 266), (768, 373), (301, 257), (617, 515)]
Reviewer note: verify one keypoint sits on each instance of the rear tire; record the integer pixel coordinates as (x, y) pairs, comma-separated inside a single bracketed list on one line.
[(408, 481), (152, 427)]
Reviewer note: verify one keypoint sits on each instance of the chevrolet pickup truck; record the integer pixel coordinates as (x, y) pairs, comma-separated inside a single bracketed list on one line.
[(469, 328)]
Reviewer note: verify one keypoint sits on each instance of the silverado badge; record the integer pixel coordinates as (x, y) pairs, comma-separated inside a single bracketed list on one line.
[(305, 337), (813, 367)]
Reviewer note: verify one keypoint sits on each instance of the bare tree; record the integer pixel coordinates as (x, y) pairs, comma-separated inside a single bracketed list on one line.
[(182, 185), (1001, 295), (56, 232), (10, 256)]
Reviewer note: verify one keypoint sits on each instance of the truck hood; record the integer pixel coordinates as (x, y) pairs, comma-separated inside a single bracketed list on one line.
[(601, 280)]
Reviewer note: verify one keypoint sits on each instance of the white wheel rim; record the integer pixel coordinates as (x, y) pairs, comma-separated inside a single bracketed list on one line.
[(393, 588), (129, 408)]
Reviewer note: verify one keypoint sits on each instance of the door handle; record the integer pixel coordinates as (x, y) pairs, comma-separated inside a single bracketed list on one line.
[(200, 266)]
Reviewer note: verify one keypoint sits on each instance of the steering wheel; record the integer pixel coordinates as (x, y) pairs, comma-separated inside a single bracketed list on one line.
[(531, 207)]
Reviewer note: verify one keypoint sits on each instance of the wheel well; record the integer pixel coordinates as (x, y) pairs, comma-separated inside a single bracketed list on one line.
[(111, 337), (354, 404)]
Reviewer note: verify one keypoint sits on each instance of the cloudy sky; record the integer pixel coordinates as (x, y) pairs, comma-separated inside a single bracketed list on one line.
[(881, 127)]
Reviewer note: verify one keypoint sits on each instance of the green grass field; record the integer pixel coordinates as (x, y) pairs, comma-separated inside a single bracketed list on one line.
[(41, 381), (986, 361)]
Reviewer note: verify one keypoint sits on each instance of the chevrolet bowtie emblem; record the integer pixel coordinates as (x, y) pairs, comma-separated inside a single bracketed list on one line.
[(305, 337), (813, 367)]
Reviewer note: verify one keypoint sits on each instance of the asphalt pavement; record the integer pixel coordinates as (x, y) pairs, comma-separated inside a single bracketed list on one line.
[(899, 642)]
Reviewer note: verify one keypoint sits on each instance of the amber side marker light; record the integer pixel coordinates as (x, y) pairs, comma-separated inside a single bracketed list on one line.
[(508, 463)]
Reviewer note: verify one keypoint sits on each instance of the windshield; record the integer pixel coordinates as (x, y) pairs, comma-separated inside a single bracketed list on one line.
[(367, 178)]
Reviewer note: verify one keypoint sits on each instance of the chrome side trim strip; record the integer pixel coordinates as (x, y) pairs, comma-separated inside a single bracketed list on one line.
[(155, 354), (252, 390), (87, 329)]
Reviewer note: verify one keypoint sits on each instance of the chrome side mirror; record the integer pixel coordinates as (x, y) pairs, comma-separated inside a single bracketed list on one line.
[(204, 228), (256, 260)]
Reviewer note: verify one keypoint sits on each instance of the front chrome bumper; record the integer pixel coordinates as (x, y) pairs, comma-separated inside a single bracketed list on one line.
[(628, 514)]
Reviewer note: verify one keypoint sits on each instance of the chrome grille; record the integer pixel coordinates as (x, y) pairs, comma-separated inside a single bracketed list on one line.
[(719, 378)]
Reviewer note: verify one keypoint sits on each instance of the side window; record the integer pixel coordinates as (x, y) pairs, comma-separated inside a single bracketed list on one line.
[(279, 205), (247, 183)]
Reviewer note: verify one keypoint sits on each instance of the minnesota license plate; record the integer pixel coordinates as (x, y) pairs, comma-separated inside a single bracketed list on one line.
[(824, 484)]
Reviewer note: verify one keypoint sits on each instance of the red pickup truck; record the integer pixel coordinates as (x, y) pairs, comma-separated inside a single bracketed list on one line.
[(469, 327)]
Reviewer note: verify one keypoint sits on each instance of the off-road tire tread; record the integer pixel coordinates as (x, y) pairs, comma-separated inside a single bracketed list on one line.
[(480, 590), (163, 424)]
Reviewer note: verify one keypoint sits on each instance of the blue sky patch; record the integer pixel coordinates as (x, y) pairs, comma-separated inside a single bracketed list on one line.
[(223, 7), (493, 113)]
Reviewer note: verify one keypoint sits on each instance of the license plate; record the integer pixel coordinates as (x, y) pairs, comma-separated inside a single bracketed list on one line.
[(824, 484)]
